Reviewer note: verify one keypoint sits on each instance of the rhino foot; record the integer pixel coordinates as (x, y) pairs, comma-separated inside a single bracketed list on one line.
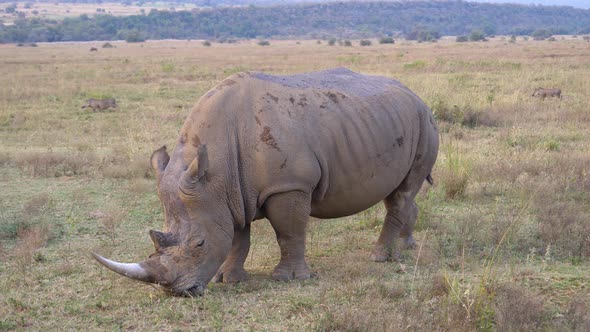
[(380, 254), (410, 242), (285, 273), (231, 275)]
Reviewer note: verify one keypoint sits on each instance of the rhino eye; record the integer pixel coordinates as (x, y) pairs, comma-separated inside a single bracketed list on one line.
[(200, 243)]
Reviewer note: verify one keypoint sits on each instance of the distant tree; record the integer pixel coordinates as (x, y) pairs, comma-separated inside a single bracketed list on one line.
[(461, 39), (513, 39), (365, 42), (386, 40), (10, 9), (131, 36), (422, 34), (477, 35), (347, 43), (332, 41), (541, 34)]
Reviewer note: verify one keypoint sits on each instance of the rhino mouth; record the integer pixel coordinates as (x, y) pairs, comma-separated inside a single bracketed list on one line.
[(196, 290)]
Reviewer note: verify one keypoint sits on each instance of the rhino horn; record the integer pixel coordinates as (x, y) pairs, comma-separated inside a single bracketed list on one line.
[(134, 271)]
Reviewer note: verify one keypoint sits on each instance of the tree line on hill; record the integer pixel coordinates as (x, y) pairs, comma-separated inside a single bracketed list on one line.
[(417, 20)]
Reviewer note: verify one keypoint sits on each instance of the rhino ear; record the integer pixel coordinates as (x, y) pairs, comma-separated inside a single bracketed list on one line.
[(162, 240), (159, 160), (198, 167)]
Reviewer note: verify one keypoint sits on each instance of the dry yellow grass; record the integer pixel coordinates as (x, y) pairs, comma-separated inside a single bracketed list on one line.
[(521, 165), (57, 10)]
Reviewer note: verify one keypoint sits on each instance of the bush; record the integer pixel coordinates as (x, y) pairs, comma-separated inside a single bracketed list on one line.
[(477, 35), (131, 36), (422, 34), (461, 39), (347, 43), (107, 45), (386, 40), (332, 41), (541, 34), (206, 43), (264, 43), (365, 42)]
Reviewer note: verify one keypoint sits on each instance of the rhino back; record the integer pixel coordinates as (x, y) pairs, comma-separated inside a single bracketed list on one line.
[(349, 138)]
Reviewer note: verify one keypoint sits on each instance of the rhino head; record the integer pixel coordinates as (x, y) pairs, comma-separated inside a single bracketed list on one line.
[(198, 236)]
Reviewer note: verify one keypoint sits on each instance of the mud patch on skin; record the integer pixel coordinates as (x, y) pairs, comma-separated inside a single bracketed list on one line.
[(302, 101), (274, 98), (400, 141), (227, 82), (196, 141), (284, 164), (333, 97), (268, 139), (292, 100), (257, 120)]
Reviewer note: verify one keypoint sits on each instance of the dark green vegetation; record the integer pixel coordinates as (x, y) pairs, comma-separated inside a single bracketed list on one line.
[(420, 20)]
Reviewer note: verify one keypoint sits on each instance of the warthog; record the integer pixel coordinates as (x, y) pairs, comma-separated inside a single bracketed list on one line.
[(93, 49), (543, 93), (100, 104)]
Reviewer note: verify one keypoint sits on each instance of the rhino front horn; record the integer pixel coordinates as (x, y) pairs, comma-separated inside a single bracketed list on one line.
[(134, 271)]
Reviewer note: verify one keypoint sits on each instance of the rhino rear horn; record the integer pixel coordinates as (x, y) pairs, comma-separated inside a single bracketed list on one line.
[(162, 240), (133, 271)]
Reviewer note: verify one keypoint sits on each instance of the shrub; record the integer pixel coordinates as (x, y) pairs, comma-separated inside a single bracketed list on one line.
[(365, 42), (107, 45), (541, 34), (264, 43), (422, 34), (332, 41), (206, 43), (347, 43), (461, 39), (477, 35), (386, 40)]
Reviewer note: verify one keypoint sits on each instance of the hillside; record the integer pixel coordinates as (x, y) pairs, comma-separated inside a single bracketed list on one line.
[(343, 20)]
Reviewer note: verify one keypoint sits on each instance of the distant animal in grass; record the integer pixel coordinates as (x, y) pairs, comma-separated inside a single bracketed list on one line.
[(93, 49), (544, 93), (100, 104)]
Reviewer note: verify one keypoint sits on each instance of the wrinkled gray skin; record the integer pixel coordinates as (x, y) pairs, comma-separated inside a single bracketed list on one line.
[(544, 93), (327, 144), (100, 104)]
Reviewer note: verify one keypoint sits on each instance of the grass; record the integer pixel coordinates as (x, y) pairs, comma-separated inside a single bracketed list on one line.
[(494, 252)]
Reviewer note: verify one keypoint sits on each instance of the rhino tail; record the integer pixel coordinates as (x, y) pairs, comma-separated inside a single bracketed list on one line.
[(430, 180)]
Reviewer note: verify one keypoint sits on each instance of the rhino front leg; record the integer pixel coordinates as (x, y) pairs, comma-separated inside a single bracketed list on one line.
[(288, 214), (232, 269)]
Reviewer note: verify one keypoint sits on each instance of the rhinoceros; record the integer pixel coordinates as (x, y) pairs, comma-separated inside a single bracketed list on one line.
[(544, 93), (100, 104), (326, 144)]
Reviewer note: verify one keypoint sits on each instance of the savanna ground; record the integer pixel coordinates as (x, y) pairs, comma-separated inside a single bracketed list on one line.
[(503, 236)]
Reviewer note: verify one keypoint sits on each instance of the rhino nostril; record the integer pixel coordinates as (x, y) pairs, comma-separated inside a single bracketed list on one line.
[(196, 290)]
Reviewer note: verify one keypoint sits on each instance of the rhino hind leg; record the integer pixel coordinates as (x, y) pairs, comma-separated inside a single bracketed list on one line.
[(288, 214), (232, 269), (400, 219)]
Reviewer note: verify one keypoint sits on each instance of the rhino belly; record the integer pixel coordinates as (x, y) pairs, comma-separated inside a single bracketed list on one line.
[(357, 194)]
